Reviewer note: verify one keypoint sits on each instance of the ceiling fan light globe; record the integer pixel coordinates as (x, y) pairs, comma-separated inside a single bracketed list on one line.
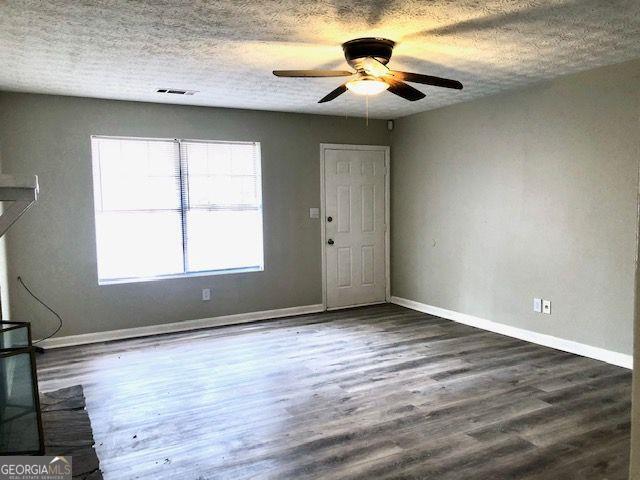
[(367, 86)]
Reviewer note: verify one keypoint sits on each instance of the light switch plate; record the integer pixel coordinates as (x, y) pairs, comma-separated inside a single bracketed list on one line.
[(206, 294), (546, 307), (314, 213), (537, 305)]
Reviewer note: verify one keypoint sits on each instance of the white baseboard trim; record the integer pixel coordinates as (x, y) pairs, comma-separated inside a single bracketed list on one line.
[(614, 358), (187, 325)]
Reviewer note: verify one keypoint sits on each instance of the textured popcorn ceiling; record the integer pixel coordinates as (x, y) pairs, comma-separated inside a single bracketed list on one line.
[(227, 49)]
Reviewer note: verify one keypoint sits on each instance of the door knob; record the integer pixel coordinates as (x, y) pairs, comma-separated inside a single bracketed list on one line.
[(329, 219), (330, 241)]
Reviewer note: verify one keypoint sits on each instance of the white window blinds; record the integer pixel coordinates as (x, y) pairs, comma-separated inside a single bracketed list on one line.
[(172, 207), (223, 205)]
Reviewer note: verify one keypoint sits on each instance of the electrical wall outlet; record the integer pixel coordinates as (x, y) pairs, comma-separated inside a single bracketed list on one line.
[(546, 307), (537, 305), (206, 294)]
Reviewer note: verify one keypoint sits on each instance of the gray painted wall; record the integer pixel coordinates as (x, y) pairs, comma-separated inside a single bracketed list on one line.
[(4, 268), (53, 245), (635, 414), (522, 195)]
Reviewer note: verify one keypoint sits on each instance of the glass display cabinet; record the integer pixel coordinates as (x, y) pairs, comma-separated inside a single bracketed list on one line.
[(20, 419)]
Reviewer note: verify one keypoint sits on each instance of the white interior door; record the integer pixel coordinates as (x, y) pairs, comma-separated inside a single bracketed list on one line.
[(354, 216)]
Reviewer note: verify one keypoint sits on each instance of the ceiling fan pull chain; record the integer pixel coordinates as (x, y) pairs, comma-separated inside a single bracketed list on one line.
[(367, 110)]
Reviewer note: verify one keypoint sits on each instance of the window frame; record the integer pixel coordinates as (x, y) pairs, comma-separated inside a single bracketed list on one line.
[(183, 180)]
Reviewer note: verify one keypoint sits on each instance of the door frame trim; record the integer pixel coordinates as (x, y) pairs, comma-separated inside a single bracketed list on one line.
[(387, 214)]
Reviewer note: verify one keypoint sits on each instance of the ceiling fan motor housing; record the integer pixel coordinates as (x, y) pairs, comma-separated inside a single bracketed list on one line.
[(378, 48)]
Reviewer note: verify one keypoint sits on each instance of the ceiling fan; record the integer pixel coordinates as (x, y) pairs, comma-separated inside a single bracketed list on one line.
[(369, 58)]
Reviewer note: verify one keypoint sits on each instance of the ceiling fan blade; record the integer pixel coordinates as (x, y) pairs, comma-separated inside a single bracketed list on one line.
[(334, 93), (312, 73), (373, 67), (403, 90), (427, 80)]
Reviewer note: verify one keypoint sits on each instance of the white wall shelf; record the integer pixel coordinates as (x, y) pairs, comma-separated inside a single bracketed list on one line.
[(21, 192)]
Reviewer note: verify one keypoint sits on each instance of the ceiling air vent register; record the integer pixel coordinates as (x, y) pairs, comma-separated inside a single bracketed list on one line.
[(176, 91)]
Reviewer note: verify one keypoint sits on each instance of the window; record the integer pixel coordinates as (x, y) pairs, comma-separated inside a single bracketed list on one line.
[(176, 207)]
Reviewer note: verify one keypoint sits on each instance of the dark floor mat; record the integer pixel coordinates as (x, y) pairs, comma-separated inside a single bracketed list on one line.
[(67, 431)]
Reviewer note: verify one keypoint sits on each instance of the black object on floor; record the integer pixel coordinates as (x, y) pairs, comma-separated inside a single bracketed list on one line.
[(67, 431)]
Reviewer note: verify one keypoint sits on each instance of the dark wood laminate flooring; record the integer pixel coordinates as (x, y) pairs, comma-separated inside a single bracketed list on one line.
[(370, 393)]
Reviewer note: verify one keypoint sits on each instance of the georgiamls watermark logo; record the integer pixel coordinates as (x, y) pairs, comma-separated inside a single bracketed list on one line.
[(35, 468)]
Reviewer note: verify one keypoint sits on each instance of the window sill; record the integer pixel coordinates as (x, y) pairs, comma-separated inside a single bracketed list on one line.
[(118, 281)]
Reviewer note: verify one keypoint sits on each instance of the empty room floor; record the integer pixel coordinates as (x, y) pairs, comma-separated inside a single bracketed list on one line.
[(376, 392)]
